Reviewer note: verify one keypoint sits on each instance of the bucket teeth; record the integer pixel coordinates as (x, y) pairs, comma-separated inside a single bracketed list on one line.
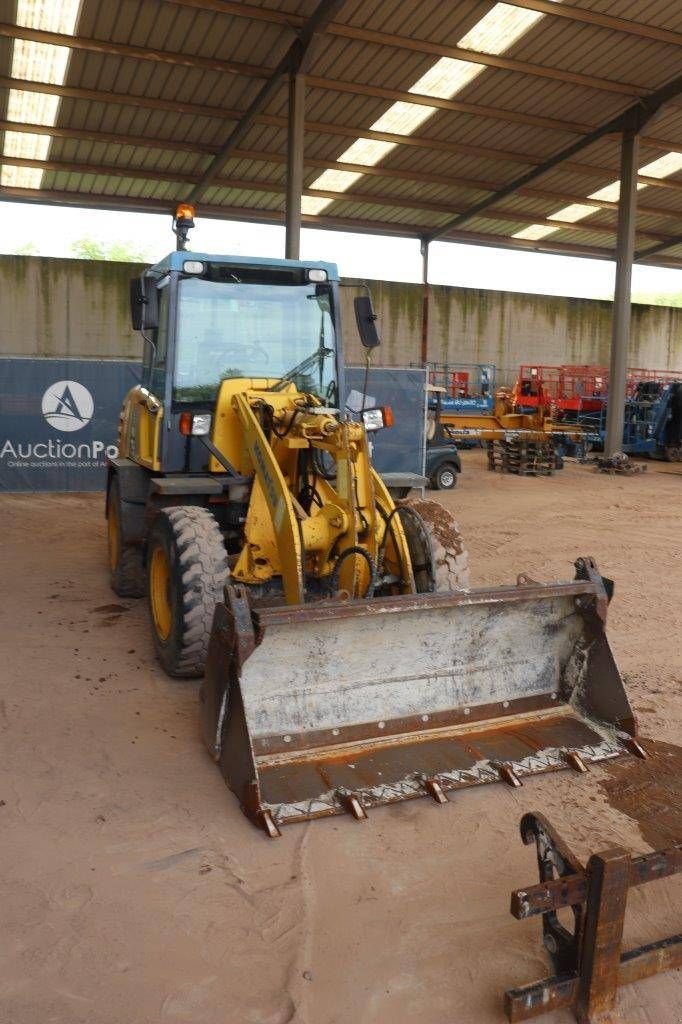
[(573, 758), (435, 790), (268, 824), (635, 747), (351, 803), (507, 774)]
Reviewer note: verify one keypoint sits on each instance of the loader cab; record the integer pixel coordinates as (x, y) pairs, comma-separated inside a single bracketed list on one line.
[(209, 318)]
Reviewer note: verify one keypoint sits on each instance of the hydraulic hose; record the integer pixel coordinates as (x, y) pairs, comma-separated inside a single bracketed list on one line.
[(387, 525), (355, 550)]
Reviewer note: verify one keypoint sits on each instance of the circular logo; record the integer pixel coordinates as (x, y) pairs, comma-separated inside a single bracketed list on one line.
[(67, 405)]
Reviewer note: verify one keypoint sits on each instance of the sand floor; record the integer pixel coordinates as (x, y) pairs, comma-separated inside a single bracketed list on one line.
[(132, 889)]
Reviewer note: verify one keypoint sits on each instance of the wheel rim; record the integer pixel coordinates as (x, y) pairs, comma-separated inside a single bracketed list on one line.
[(447, 478), (112, 536), (159, 593)]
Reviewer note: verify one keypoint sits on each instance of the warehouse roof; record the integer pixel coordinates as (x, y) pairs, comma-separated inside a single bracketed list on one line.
[(494, 123)]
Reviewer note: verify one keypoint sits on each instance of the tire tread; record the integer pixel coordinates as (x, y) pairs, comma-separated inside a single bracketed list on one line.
[(203, 571)]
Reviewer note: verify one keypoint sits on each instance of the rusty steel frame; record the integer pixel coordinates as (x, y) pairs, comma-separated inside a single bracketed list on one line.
[(378, 92), (589, 960)]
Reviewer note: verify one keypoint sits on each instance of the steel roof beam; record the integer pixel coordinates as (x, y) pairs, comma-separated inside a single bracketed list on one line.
[(362, 35), (654, 250), (579, 14), (636, 116), (294, 60), (200, 110), (98, 201), (274, 120), (279, 188), (226, 114), (431, 48), (263, 156), (110, 48)]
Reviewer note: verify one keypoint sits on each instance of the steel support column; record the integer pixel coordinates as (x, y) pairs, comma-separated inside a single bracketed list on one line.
[(425, 301), (295, 147), (620, 333)]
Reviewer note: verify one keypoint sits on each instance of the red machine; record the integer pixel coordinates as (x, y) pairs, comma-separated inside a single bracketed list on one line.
[(456, 382), (575, 389)]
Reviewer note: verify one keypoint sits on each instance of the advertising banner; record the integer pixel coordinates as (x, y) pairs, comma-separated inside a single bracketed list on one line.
[(59, 418), (58, 421)]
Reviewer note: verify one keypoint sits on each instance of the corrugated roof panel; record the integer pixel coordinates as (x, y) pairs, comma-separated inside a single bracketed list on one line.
[(457, 147), (427, 20), (593, 50), (660, 13)]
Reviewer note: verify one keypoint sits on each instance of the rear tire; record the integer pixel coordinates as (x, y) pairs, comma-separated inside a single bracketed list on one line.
[(186, 574), (440, 561), (126, 568)]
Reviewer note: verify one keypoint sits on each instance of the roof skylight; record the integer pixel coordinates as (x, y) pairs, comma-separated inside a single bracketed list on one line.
[(572, 213), (40, 62), (499, 29), (662, 167), (535, 231)]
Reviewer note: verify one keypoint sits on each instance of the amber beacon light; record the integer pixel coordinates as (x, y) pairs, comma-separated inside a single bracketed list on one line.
[(182, 222)]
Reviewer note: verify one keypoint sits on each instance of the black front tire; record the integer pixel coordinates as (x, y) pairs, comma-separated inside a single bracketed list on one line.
[(188, 538), (440, 561), (445, 477)]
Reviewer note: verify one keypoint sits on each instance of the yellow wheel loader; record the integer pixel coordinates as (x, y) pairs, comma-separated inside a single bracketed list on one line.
[(347, 663)]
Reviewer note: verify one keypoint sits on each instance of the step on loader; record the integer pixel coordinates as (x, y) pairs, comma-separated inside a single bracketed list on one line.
[(347, 663)]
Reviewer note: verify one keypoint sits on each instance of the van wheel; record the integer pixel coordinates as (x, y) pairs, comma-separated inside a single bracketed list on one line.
[(186, 574), (126, 569), (445, 477)]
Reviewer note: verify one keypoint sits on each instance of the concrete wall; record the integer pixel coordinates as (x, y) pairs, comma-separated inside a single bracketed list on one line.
[(79, 308), (72, 308), (475, 325)]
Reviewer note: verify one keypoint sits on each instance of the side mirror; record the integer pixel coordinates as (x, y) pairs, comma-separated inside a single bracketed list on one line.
[(366, 321), (144, 303)]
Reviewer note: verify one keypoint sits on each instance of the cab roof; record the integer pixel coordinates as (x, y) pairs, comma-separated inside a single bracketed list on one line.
[(176, 260)]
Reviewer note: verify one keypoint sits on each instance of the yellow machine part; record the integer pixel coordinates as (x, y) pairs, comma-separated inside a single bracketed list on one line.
[(227, 434), (281, 537), (503, 420), (139, 428)]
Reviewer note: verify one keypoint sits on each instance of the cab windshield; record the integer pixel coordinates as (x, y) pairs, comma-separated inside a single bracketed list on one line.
[(228, 328)]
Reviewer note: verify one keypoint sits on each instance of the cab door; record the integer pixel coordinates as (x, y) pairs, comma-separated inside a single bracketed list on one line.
[(143, 407)]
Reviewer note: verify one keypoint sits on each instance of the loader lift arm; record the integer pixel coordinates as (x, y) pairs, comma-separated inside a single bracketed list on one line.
[(343, 537)]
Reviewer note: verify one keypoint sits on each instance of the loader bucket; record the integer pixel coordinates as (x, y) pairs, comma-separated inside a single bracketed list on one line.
[(340, 707)]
